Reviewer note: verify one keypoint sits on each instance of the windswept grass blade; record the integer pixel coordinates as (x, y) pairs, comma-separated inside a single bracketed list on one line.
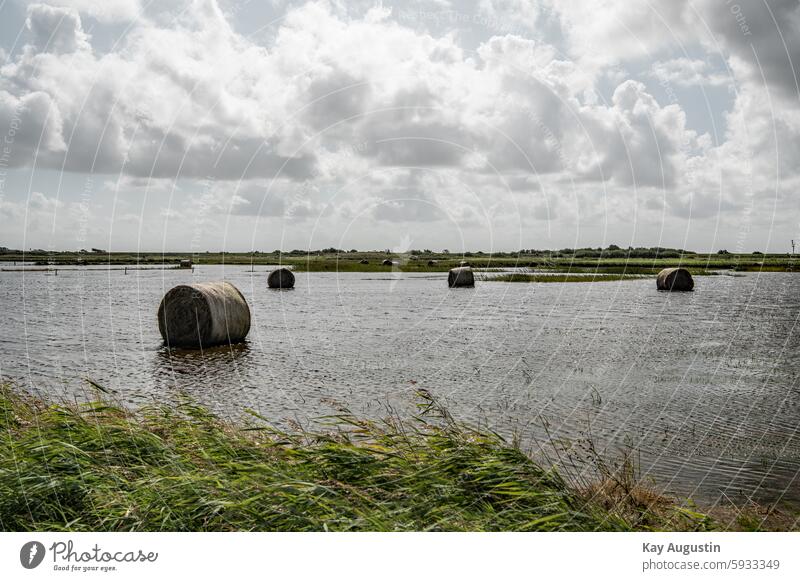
[(101, 467)]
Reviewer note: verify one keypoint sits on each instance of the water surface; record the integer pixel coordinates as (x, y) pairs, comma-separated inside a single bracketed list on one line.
[(703, 386)]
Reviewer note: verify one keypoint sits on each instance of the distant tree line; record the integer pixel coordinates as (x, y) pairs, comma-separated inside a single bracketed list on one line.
[(611, 251)]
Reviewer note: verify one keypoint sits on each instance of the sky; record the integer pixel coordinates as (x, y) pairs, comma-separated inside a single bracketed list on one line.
[(491, 125)]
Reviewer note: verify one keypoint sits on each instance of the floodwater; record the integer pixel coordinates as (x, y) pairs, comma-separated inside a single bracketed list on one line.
[(703, 387)]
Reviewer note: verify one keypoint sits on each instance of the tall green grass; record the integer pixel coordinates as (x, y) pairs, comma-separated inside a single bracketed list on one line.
[(100, 467), (325, 261), (558, 277)]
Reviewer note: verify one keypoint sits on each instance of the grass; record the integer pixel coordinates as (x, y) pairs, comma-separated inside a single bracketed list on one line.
[(351, 265), (321, 261), (602, 268), (559, 277), (100, 467)]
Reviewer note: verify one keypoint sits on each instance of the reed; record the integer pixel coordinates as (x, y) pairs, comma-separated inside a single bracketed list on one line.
[(101, 467), (558, 277)]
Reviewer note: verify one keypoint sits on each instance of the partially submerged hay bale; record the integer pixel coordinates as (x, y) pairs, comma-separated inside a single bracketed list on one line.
[(674, 279), (281, 278), (461, 276), (203, 314)]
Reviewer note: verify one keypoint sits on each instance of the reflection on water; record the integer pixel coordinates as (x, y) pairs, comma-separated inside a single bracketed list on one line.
[(705, 385), (220, 365)]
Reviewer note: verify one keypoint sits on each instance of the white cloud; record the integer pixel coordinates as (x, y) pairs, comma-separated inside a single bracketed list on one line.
[(600, 33), (192, 100), (498, 13), (30, 122), (636, 141), (105, 11), (55, 29), (686, 72), (197, 99), (389, 120), (763, 38)]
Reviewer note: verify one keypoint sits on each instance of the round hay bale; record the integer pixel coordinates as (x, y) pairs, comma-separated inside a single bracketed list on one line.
[(674, 279), (281, 278), (433, 262), (387, 262), (363, 261), (461, 276), (203, 314)]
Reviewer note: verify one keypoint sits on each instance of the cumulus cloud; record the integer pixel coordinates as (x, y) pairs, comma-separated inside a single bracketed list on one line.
[(763, 38), (385, 118), (758, 44), (522, 13), (637, 141), (194, 100), (30, 122), (687, 72), (54, 29), (197, 99), (601, 33), (105, 11)]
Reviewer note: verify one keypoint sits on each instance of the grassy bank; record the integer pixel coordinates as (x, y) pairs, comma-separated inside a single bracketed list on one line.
[(357, 261), (97, 466), (594, 277)]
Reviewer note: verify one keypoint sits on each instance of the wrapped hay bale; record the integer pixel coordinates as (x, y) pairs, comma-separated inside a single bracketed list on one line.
[(281, 278), (674, 279), (203, 314), (461, 276)]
